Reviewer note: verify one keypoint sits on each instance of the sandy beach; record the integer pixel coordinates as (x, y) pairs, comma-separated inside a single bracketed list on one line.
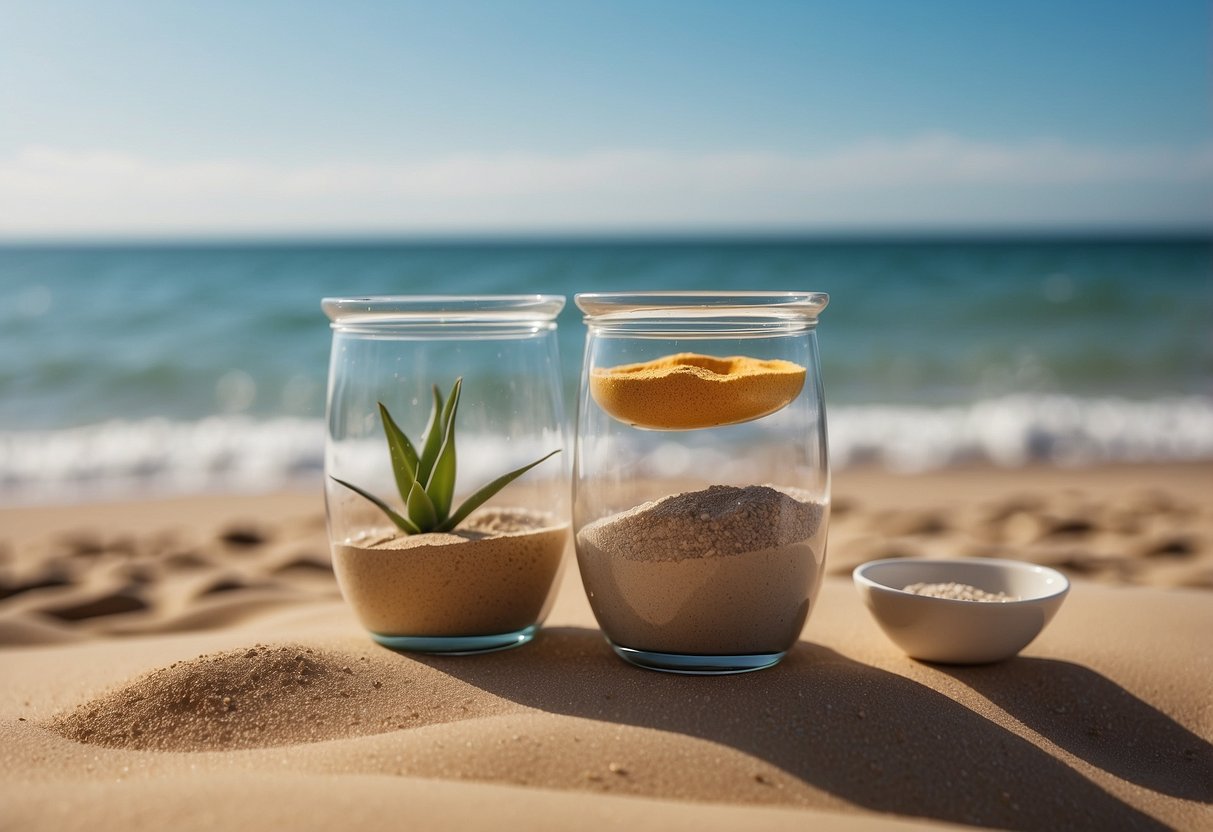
[(188, 663)]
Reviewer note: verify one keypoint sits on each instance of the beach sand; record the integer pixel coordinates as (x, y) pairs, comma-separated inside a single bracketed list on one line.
[(189, 664)]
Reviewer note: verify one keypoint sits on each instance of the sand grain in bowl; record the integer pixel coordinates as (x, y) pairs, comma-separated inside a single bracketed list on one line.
[(954, 591)]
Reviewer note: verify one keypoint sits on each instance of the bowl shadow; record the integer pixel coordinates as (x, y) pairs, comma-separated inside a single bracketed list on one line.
[(865, 735), (1098, 721)]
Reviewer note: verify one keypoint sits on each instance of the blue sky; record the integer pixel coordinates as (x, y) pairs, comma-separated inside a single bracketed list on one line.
[(169, 118)]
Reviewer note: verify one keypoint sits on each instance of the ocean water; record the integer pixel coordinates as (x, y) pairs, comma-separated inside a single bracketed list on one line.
[(189, 367)]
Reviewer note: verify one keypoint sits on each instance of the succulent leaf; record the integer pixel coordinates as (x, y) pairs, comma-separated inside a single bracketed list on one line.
[(478, 499), (421, 509), (431, 442), (403, 523), (404, 455), (452, 404), (441, 485)]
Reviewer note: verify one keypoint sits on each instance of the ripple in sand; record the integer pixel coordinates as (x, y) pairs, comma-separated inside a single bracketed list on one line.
[(911, 523), (186, 561), (306, 566), (120, 601), (139, 574), (1177, 546), (1069, 527), (232, 584), (45, 579), (260, 697), (82, 544), (244, 537)]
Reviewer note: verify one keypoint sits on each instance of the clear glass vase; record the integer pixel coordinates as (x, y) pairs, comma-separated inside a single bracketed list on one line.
[(701, 479), (419, 575)]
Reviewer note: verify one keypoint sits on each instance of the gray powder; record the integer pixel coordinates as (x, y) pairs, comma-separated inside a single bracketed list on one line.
[(721, 520), (723, 571)]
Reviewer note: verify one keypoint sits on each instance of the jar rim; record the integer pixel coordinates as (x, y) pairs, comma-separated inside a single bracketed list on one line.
[(397, 309), (804, 306)]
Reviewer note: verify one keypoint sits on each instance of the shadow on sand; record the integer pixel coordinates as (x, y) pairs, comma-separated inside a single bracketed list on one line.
[(1098, 721), (868, 736)]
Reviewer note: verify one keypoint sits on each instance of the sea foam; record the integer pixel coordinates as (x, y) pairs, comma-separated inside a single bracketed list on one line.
[(1017, 430), (159, 456)]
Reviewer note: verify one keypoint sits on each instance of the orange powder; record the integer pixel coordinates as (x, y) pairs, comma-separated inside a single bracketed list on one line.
[(688, 391)]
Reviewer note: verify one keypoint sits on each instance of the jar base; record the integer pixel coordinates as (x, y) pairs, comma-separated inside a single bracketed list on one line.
[(690, 664), (457, 645)]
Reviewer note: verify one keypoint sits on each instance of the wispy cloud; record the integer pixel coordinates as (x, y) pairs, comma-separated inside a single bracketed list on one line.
[(45, 190)]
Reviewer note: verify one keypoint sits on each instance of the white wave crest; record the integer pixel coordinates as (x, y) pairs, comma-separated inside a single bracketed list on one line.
[(159, 456), (1017, 430)]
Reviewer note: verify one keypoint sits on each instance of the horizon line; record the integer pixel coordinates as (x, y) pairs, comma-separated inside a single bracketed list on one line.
[(619, 235)]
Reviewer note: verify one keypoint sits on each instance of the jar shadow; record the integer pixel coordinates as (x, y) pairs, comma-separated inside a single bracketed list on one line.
[(862, 734)]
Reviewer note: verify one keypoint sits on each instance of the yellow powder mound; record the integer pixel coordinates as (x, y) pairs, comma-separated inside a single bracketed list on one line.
[(688, 391)]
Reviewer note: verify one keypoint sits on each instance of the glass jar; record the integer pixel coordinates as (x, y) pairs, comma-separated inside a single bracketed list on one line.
[(419, 570), (701, 486)]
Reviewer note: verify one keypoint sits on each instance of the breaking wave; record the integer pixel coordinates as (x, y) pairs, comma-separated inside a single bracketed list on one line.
[(160, 456)]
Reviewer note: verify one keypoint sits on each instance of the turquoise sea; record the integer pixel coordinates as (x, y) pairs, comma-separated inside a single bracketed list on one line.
[(190, 366)]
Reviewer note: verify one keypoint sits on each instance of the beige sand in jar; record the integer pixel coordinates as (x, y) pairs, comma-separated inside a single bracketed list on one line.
[(492, 575), (688, 391), (723, 571)]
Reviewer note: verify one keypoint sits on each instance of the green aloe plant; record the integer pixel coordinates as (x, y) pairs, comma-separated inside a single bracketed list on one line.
[(426, 481)]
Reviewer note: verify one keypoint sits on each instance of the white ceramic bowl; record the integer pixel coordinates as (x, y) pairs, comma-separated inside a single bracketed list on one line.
[(960, 632)]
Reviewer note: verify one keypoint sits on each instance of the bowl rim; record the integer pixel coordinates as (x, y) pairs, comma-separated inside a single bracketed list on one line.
[(859, 576)]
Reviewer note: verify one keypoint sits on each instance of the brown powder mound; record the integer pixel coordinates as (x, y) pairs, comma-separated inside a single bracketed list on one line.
[(251, 698), (721, 520), (689, 391)]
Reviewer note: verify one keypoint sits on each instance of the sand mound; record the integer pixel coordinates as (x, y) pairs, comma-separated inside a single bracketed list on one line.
[(252, 698)]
